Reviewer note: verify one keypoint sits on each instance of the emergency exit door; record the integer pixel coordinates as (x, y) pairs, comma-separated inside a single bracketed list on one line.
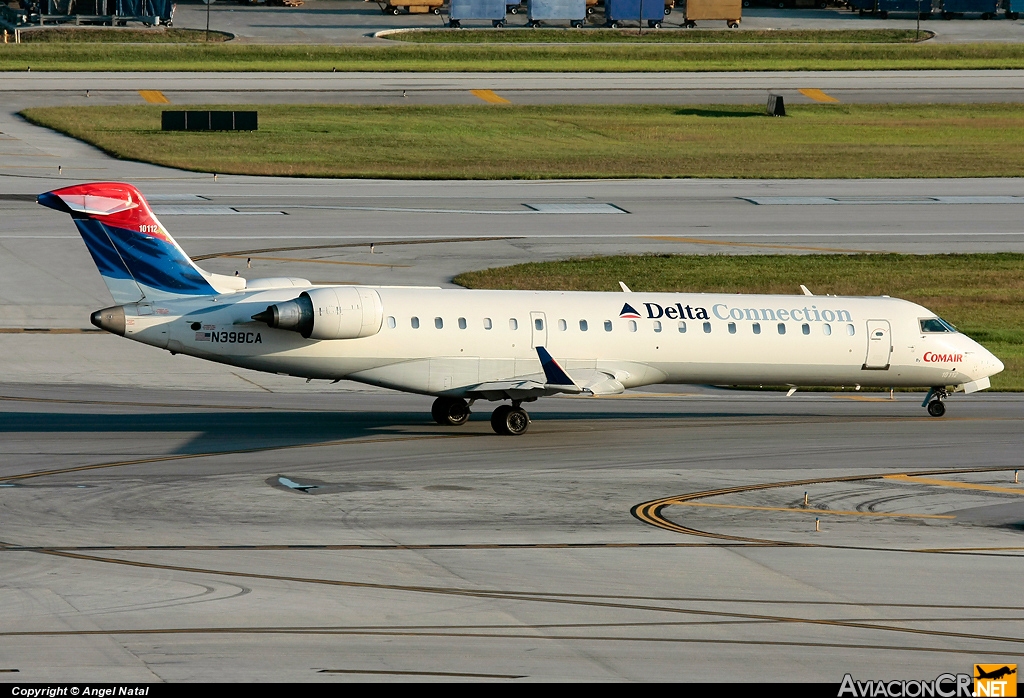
[(539, 328)]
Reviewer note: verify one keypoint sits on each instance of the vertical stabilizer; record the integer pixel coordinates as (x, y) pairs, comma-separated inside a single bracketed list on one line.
[(135, 255)]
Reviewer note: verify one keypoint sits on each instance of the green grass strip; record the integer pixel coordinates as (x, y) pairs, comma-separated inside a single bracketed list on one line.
[(663, 36), (92, 35), (982, 294), (572, 141), (506, 58)]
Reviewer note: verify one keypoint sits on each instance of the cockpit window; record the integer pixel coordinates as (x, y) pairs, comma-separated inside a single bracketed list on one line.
[(934, 324)]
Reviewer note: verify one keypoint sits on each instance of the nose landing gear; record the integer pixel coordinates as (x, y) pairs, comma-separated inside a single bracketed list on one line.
[(933, 401)]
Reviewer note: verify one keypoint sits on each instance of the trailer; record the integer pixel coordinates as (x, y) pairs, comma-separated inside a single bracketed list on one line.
[(412, 7), (729, 10), (958, 8), (573, 11), (493, 10), (618, 11), (1013, 8), (921, 8)]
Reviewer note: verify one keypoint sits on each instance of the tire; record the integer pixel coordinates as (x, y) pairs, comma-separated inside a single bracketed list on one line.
[(780, 4), (513, 10), (499, 421), (449, 412), (734, 25), (936, 408), (822, 5), (395, 11), (986, 15), (516, 421), (436, 10), (746, 3), (947, 15), (883, 15), (613, 25), (668, 11), (590, 10), (1014, 15)]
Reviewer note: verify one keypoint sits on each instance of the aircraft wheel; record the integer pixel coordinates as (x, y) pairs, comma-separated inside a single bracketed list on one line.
[(510, 421), (936, 408), (449, 412)]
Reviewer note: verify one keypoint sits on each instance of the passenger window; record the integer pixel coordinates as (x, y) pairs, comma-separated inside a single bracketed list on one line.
[(682, 327), (438, 323), (657, 325), (850, 331), (732, 328), (487, 323), (562, 325), (827, 329), (513, 324), (607, 325), (757, 328), (782, 328), (462, 323), (391, 322), (707, 328), (805, 328), (583, 325), (415, 323), (632, 325), (538, 323)]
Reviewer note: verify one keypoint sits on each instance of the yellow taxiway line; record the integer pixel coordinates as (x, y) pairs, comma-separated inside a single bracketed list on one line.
[(154, 96), (489, 97), (819, 96), (952, 483)]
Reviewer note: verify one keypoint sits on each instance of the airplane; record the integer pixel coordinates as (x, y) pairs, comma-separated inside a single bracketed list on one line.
[(995, 674), (462, 346)]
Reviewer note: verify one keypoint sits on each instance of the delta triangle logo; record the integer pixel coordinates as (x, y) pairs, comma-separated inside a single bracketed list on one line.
[(629, 311)]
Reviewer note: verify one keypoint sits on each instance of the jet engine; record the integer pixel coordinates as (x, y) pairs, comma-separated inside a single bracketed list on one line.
[(336, 312)]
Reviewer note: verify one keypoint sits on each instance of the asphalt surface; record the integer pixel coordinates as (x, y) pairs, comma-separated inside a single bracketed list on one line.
[(23, 90), (169, 519)]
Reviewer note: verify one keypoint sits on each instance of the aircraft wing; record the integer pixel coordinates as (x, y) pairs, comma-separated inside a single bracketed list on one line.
[(554, 381)]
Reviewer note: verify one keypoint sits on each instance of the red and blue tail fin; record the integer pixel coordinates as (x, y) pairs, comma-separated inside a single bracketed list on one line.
[(136, 256)]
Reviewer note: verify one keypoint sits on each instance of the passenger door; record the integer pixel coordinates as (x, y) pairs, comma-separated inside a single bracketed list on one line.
[(879, 346)]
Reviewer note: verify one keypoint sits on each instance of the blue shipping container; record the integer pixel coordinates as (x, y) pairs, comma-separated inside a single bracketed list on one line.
[(630, 10), (905, 6), (558, 9), (984, 6), (477, 9), (1013, 8)]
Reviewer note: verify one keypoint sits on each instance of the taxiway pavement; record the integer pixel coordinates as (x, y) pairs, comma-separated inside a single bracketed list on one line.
[(166, 519)]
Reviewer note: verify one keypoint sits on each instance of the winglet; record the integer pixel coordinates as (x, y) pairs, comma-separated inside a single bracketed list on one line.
[(553, 373), (805, 290), (624, 287)]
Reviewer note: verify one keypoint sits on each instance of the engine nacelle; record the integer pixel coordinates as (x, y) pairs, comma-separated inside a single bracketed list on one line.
[(336, 312)]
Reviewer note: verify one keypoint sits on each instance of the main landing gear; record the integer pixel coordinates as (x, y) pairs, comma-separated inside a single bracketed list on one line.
[(450, 412), (933, 401), (510, 420)]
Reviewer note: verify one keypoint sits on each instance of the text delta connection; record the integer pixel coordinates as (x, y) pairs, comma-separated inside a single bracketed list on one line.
[(722, 311)]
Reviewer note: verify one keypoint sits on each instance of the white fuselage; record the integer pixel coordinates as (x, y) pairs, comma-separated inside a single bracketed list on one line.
[(467, 337)]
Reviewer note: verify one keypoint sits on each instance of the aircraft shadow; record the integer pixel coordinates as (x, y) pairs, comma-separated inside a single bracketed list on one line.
[(219, 431)]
